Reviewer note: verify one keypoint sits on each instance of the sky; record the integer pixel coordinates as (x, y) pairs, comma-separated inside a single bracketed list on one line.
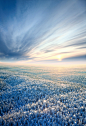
[(42, 31)]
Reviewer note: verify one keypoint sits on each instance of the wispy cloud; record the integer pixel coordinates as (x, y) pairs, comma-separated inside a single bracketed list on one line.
[(41, 30)]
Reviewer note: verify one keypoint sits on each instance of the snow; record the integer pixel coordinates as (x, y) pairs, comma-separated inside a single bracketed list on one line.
[(35, 101)]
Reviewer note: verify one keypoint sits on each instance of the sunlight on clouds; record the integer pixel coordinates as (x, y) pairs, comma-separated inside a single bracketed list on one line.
[(59, 57), (44, 30)]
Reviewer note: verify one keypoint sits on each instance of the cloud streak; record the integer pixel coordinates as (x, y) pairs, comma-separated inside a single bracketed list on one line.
[(41, 30)]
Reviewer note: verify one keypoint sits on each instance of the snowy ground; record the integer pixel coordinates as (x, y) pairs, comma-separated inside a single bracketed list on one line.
[(42, 97)]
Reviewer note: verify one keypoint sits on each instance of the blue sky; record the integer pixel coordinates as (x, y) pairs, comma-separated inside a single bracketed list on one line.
[(42, 30)]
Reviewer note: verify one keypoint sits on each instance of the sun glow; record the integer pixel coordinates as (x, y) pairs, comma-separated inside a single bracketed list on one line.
[(59, 57)]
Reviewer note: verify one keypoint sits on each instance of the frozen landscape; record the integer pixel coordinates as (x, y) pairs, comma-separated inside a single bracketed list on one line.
[(42, 96)]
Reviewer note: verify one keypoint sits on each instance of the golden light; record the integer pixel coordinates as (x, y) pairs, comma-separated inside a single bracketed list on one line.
[(59, 57)]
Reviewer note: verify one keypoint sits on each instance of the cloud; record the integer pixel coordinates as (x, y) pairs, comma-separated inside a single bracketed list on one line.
[(76, 58), (77, 44), (29, 28)]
